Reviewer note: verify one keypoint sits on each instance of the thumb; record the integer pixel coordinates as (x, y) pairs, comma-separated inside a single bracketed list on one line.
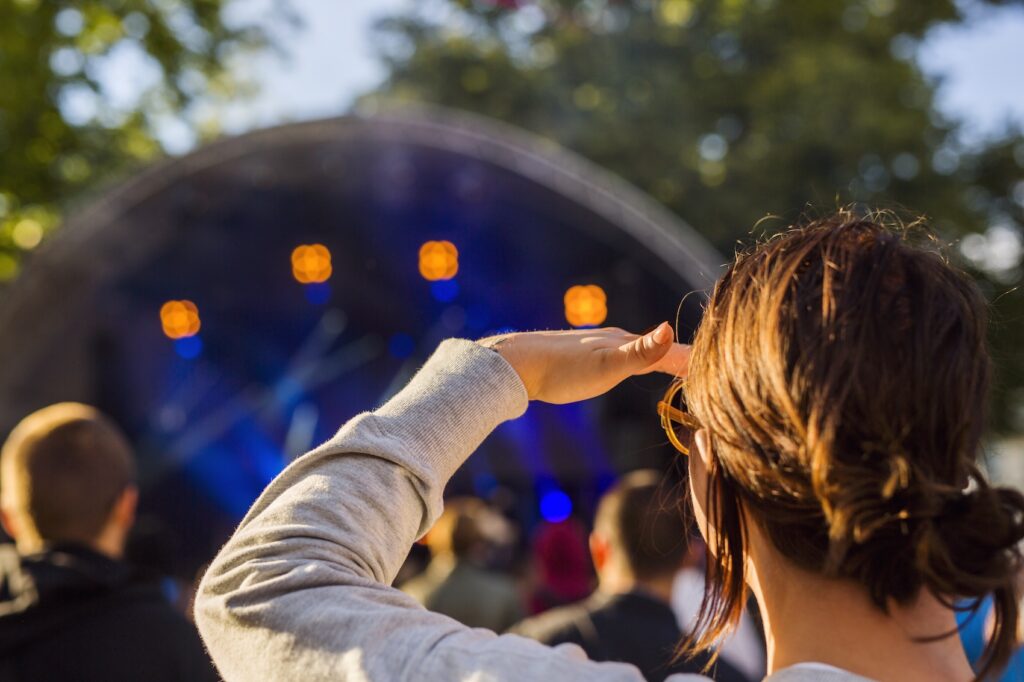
[(648, 349)]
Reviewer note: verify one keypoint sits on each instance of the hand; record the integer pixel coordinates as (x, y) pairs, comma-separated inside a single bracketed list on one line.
[(568, 366)]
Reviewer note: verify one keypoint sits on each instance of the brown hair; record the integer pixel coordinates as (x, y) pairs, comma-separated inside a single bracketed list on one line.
[(61, 471), (841, 370), (640, 517)]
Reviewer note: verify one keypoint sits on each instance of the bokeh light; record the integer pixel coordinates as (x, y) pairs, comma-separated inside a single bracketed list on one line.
[(555, 506), (318, 293), (445, 290), (27, 233), (180, 319), (675, 12), (586, 305), (188, 347), (439, 260), (311, 263)]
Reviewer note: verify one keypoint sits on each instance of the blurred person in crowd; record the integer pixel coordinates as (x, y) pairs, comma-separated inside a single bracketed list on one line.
[(151, 548), (638, 544), (70, 607), (456, 582), (744, 648), (831, 409), (561, 566)]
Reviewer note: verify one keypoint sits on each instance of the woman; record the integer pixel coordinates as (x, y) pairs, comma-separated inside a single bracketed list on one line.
[(836, 391)]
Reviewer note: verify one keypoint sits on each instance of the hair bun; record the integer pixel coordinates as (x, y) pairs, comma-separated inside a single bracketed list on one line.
[(969, 546)]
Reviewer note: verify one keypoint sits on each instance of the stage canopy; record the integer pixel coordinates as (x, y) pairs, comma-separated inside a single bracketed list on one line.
[(265, 366)]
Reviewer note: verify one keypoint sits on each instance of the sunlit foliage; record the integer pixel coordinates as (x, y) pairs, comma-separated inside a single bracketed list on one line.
[(730, 110), (84, 86)]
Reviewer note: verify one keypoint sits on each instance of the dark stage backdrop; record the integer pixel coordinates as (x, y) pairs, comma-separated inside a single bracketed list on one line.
[(277, 365)]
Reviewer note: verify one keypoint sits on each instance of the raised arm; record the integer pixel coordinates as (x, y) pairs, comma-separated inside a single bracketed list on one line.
[(302, 589)]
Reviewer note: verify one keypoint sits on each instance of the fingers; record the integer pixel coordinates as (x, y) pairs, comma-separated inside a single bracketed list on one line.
[(675, 362), (645, 351)]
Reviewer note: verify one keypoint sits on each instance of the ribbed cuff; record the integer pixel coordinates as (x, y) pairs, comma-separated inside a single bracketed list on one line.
[(456, 399)]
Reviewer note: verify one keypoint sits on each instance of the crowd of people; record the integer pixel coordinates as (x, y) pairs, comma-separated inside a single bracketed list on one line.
[(831, 419), (640, 554), (69, 496)]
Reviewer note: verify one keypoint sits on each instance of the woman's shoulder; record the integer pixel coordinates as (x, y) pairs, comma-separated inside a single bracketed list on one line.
[(804, 672), (814, 672)]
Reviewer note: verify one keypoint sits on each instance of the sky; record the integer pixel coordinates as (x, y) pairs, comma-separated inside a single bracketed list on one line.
[(331, 60), (982, 67)]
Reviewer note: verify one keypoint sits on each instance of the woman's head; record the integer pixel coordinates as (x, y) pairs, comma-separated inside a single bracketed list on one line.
[(841, 374)]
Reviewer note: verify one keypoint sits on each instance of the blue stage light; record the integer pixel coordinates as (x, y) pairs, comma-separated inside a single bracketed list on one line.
[(401, 346), (318, 293), (288, 391), (555, 506), (444, 290), (188, 347)]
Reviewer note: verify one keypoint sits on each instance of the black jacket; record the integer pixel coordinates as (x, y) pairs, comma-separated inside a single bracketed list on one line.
[(632, 628), (72, 614)]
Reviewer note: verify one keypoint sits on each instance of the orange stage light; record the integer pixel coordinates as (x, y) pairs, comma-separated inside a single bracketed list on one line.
[(180, 319), (311, 263), (439, 260), (586, 305)]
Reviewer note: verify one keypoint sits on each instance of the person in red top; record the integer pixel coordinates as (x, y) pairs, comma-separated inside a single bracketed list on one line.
[(564, 576)]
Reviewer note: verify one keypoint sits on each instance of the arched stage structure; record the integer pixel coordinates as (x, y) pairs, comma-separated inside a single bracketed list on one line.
[(277, 366)]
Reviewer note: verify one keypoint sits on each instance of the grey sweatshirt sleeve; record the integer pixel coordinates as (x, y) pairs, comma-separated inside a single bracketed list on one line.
[(302, 590)]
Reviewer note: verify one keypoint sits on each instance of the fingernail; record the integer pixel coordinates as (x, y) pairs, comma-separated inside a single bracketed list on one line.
[(663, 334)]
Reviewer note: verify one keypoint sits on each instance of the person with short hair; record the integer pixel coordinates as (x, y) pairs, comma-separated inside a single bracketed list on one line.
[(835, 407), (457, 582), (70, 608), (638, 544)]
